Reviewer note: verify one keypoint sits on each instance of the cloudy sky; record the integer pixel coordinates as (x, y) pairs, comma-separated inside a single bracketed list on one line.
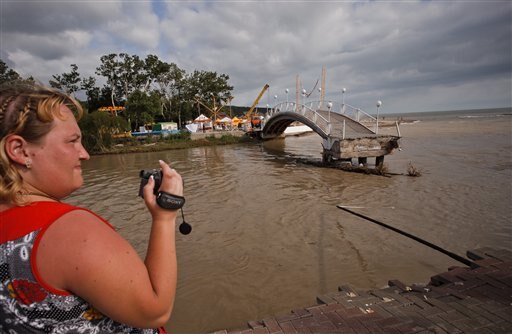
[(411, 55)]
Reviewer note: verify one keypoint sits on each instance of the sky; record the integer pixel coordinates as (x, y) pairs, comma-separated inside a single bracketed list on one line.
[(411, 55)]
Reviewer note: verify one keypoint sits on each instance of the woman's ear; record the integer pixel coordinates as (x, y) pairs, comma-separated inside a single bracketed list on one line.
[(15, 148)]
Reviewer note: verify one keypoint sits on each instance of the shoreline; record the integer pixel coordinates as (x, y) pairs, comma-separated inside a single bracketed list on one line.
[(195, 140)]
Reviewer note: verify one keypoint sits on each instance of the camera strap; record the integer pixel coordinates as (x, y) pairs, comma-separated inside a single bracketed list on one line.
[(174, 202), (169, 201)]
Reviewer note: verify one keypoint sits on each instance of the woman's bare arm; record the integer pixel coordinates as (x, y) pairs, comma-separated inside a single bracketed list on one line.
[(81, 254)]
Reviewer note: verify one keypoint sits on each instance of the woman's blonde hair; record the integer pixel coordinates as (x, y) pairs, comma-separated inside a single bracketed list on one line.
[(27, 109)]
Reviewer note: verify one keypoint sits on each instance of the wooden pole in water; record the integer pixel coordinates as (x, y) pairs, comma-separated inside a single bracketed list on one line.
[(431, 245)]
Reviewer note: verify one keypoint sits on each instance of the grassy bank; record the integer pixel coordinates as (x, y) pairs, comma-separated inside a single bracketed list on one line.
[(155, 144)]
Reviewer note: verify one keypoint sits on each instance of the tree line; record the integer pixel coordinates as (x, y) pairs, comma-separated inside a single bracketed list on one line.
[(149, 89)]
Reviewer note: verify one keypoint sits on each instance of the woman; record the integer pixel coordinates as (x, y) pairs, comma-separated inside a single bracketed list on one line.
[(63, 268)]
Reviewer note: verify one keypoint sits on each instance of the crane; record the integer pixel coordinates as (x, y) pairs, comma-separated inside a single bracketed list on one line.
[(248, 114)]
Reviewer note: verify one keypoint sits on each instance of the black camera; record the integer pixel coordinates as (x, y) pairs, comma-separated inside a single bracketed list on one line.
[(164, 199), (145, 174)]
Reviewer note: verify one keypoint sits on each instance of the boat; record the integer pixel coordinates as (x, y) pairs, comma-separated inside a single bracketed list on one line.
[(297, 129)]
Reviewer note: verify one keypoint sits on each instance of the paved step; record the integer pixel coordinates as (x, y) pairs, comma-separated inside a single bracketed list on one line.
[(476, 299)]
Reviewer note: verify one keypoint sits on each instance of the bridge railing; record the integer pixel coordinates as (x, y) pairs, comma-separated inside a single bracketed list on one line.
[(305, 111), (309, 110), (345, 109)]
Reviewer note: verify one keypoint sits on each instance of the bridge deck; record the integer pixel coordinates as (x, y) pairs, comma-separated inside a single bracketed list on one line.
[(461, 300), (352, 128)]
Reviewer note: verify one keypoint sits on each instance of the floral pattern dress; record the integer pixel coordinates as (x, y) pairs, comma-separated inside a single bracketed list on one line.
[(26, 304)]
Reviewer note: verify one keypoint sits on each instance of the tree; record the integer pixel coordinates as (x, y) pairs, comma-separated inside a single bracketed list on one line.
[(92, 92), (169, 79), (132, 74), (153, 67), (67, 82), (209, 88), (98, 128), (125, 74), (7, 74), (141, 108), (130, 78), (109, 69)]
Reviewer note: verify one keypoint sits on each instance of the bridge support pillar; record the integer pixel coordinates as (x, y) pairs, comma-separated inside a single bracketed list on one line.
[(358, 148), (379, 161), (331, 151)]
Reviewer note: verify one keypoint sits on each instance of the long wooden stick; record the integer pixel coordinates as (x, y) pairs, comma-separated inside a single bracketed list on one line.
[(429, 244)]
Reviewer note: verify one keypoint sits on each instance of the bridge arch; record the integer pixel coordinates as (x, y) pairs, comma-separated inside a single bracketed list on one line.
[(334, 122), (277, 123)]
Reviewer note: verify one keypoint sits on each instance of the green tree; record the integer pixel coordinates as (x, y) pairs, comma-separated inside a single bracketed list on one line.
[(109, 69), (125, 74), (132, 74), (209, 88), (169, 80), (92, 92), (153, 67), (141, 108), (7, 74), (98, 128), (68, 82), (151, 80), (207, 84)]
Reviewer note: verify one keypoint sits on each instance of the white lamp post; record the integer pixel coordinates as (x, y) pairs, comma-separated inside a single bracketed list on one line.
[(379, 103), (329, 106), (303, 96), (343, 90), (286, 91)]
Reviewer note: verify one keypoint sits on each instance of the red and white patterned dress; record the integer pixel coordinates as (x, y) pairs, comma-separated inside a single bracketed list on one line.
[(27, 304)]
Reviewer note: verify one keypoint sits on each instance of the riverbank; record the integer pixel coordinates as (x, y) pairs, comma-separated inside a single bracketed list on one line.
[(195, 140)]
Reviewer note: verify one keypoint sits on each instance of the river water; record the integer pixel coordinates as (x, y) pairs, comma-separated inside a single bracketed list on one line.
[(267, 236)]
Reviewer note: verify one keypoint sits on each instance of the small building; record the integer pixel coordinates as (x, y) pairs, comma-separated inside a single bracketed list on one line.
[(165, 126)]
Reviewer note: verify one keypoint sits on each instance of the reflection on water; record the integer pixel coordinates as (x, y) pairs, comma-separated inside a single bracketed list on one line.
[(267, 236)]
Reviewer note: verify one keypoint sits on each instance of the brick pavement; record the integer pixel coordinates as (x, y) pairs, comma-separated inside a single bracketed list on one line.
[(461, 300)]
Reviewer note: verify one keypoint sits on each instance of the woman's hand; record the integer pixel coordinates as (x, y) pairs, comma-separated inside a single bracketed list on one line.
[(171, 183)]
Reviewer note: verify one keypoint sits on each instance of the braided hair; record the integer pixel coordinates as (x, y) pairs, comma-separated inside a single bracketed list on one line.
[(27, 109)]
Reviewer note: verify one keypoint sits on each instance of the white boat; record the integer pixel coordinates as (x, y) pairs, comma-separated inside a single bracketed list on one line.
[(296, 129)]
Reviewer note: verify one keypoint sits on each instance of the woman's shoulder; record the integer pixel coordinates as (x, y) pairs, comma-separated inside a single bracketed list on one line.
[(5, 207), (82, 215), (17, 221), (43, 211), (40, 207)]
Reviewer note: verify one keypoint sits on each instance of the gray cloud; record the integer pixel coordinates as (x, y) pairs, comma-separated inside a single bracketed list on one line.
[(414, 55), (47, 17)]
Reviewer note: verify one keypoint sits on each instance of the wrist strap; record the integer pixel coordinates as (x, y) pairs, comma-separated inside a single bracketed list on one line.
[(169, 201)]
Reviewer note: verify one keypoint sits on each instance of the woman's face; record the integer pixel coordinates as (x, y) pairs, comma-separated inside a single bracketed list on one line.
[(56, 159)]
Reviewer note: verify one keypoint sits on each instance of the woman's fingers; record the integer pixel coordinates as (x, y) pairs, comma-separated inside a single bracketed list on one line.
[(171, 181), (149, 196)]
